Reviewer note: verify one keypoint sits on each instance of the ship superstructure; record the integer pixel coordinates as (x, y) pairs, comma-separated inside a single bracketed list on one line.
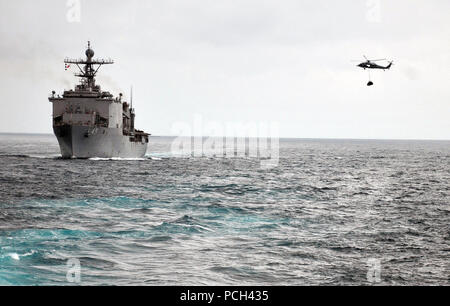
[(89, 122)]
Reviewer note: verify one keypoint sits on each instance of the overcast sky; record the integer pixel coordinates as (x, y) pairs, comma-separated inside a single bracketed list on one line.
[(285, 61)]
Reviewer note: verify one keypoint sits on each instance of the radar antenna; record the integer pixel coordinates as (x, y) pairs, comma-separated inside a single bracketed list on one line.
[(87, 74)]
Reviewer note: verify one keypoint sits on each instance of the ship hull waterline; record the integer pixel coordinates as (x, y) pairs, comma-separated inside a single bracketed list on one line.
[(89, 142)]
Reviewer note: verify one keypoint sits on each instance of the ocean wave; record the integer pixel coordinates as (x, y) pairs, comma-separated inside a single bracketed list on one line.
[(117, 159), (17, 256), (49, 156), (315, 219)]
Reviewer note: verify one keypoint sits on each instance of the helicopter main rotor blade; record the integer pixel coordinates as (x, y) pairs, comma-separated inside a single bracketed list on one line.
[(377, 60)]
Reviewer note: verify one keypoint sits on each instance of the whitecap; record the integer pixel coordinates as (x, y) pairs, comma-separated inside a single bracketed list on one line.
[(53, 156), (14, 256), (116, 159)]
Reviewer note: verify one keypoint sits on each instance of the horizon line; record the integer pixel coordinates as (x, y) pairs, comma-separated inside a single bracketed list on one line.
[(304, 138)]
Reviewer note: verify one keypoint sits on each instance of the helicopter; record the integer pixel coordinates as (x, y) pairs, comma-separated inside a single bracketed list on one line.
[(370, 64)]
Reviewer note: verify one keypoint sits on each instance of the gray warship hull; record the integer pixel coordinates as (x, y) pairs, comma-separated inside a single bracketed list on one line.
[(88, 142)]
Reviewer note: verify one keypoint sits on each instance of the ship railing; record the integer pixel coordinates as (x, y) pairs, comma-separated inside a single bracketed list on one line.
[(81, 123), (68, 111)]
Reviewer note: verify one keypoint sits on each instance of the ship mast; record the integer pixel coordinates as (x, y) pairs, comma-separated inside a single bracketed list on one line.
[(87, 74), (131, 98)]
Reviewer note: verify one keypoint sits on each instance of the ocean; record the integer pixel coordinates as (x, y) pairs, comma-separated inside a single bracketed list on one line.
[(333, 212)]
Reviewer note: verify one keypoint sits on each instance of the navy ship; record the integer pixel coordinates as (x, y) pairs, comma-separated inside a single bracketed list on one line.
[(89, 122)]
